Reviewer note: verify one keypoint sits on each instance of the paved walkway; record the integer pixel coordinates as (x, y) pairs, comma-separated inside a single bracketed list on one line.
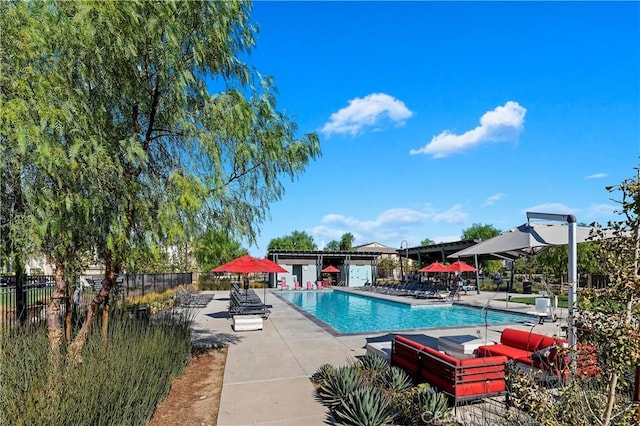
[(266, 379)]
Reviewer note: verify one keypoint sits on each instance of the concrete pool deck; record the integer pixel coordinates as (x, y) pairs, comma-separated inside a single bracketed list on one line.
[(266, 378)]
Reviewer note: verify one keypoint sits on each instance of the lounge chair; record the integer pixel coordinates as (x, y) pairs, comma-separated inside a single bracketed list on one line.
[(443, 297), (543, 309), (238, 306)]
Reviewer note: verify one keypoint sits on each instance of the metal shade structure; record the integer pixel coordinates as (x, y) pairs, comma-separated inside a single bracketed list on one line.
[(247, 264), (459, 266), (526, 239), (434, 267), (330, 269), (532, 238)]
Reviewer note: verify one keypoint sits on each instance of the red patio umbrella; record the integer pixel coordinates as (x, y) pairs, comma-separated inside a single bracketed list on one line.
[(434, 267), (330, 269), (247, 264), (459, 266)]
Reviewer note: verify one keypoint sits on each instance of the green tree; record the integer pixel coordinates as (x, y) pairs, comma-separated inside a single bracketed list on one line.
[(554, 260), (427, 242), (333, 245), (125, 148), (386, 267), (479, 232), (297, 240), (215, 248), (346, 242)]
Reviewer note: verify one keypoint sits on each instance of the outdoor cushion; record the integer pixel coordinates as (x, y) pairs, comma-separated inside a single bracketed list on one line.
[(510, 352), (525, 340)]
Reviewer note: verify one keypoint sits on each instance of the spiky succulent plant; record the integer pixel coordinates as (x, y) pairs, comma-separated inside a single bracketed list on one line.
[(396, 380), (365, 406), (321, 374), (433, 405), (339, 385)]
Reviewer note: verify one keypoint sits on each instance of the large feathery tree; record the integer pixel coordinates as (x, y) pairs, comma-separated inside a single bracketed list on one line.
[(140, 124)]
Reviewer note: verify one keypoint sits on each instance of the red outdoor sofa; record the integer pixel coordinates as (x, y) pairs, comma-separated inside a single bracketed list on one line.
[(543, 352), (484, 375), (461, 379)]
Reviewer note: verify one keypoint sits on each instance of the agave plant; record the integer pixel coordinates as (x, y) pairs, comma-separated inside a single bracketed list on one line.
[(365, 406), (321, 374), (421, 405), (395, 381), (373, 368), (339, 385), (434, 407)]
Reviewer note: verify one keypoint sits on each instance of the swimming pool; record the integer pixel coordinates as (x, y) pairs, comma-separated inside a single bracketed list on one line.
[(353, 313)]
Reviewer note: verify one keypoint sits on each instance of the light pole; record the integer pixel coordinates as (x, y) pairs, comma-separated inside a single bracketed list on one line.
[(406, 247)]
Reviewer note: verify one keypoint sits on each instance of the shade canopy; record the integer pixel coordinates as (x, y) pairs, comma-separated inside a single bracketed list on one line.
[(434, 267), (331, 269), (248, 264), (459, 266), (526, 239)]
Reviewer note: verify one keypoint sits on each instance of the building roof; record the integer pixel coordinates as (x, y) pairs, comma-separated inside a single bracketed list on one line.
[(376, 247)]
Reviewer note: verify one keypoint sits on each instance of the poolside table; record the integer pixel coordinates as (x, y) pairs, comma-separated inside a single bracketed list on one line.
[(461, 346)]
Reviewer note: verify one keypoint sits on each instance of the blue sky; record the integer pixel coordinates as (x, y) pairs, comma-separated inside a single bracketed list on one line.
[(435, 116)]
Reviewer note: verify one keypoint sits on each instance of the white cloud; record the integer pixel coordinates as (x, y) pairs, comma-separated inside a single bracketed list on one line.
[(452, 216), (491, 200), (596, 176), (366, 112), (389, 227), (504, 123), (601, 210), (388, 218)]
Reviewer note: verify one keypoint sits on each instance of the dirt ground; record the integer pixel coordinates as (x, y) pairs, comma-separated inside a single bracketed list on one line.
[(194, 398)]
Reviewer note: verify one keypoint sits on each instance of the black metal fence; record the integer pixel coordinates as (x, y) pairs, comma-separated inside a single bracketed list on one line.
[(29, 305)]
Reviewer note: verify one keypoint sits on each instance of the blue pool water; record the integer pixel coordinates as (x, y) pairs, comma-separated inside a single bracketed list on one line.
[(352, 313)]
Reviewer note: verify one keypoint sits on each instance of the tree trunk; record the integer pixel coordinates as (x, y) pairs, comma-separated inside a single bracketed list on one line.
[(75, 349), (105, 323), (611, 399), (68, 314), (21, 290), (54, 326)]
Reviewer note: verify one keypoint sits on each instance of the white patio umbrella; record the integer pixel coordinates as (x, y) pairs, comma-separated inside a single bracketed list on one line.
[(526, 239)]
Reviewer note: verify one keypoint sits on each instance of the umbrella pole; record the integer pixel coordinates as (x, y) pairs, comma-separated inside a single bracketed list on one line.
[(475, 260)]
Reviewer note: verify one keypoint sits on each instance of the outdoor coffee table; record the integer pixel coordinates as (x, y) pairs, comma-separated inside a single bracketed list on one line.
[(461, 346)]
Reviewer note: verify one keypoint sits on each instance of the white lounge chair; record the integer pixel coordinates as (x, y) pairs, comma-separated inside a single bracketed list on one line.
[(543, 309)]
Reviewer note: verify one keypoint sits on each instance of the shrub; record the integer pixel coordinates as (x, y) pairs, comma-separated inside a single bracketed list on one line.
[(208, 282), (118, 384)]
